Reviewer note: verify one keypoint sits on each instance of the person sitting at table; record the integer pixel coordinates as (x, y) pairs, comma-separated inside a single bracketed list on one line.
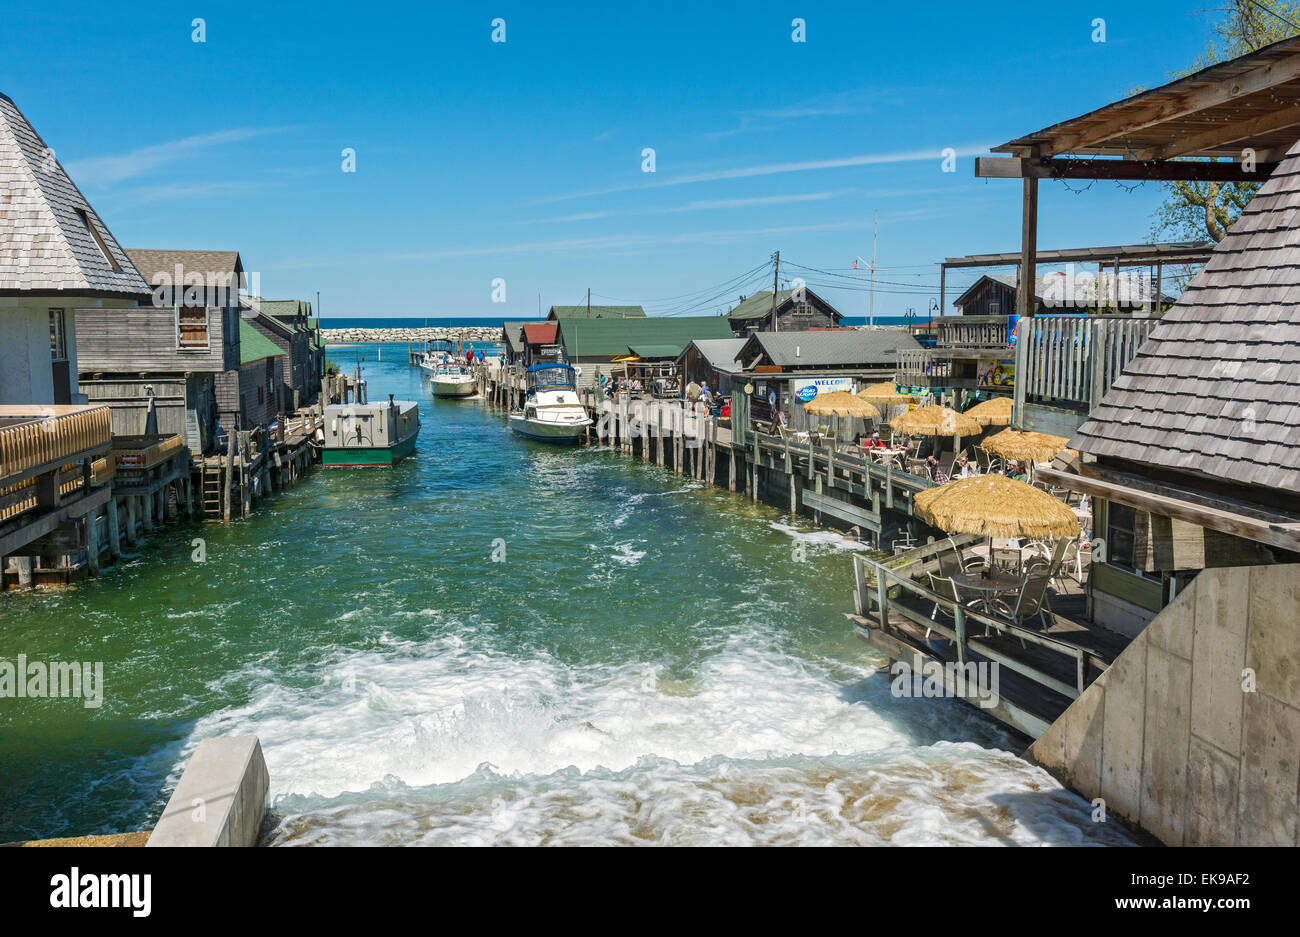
[(875, 442), (1015, 471), (963, 469), (931, 465)]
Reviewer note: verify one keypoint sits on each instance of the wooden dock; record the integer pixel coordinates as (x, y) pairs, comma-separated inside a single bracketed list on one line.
[(837, 486)]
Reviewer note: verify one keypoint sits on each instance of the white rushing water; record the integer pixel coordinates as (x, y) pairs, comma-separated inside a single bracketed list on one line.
[(444, 742)]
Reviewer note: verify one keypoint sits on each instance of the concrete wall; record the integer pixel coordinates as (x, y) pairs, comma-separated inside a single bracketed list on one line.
[(220, 798), (1173, 739)]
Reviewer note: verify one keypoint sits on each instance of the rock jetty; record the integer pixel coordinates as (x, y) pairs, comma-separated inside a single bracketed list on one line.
[(478, 333)]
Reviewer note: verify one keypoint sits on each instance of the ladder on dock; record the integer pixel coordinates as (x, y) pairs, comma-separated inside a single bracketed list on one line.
[(212, 491)]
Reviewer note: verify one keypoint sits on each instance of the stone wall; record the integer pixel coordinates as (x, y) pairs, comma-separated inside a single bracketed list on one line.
[(1176, 738)]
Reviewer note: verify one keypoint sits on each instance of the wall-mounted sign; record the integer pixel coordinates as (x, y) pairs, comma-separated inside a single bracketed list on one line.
[(808, 388)]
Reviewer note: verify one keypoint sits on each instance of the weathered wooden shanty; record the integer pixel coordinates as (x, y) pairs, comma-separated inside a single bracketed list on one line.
[(289, 323), (712, 360), (541, 343), (180, 354), (512, 341), (794, 310), (868, 352)]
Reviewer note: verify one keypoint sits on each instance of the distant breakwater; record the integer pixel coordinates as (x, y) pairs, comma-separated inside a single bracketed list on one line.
[(359, 336)]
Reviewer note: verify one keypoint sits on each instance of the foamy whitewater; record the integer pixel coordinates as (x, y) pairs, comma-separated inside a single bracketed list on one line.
[(654, 662)]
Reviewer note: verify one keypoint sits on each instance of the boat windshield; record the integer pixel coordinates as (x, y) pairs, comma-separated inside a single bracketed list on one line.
[(550, 378)]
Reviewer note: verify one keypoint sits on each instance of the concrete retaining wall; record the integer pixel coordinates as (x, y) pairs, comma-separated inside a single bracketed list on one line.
[(220, 798), (1175, 738)]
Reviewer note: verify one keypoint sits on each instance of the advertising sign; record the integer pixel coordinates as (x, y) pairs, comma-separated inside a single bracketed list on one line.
[(807, 389)]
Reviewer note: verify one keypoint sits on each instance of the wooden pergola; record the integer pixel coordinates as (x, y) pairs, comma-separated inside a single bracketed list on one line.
[(1230, 122)]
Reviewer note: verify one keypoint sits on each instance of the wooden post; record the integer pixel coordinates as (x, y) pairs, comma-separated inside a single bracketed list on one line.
[(131, 521), (92, 544), (146, 512), (114, 534), (231, 445), (1025, 301), (25, 578)]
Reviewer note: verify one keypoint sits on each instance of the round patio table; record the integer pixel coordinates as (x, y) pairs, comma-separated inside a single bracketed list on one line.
[(988, 584)]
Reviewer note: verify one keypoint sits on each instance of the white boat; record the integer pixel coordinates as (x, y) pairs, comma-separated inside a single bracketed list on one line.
[(552, 411), (449, 378)]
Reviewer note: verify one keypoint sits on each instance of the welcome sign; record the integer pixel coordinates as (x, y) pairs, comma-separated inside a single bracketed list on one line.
[(808, 388)]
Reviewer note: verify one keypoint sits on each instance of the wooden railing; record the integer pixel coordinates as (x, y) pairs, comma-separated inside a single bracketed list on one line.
[(971, 332), (48, 435), (876, 579), (1076, 359), (916, 367)]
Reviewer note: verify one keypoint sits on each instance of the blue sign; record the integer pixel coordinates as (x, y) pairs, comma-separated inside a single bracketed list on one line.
[(807, 392)]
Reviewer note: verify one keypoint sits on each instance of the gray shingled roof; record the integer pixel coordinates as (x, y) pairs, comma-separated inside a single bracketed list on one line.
[(45, 241), (721, 353), (1215, 389), (832, 349), (217, 268)]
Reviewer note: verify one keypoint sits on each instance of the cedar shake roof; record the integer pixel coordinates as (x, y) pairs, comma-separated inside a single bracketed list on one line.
[(1215, 389), (50, 236), (217, 268)]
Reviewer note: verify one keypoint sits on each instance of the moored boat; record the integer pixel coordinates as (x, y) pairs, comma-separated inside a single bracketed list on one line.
[(369, 435), (552, 411), (449, 378)]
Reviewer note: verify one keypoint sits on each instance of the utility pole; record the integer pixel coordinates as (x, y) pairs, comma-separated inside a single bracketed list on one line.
[(589, 302), (871, 300), (776, 277)]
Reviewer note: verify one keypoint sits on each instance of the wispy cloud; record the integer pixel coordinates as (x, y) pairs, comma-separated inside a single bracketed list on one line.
[(187, 191), (106, 170), (840, 104), (711, 204), (772, 169), (604, 135)]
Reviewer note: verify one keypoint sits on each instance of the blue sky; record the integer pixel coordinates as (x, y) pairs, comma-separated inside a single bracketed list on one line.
[(523, 161)]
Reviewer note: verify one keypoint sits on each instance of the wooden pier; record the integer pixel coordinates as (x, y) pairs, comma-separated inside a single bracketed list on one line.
[(832, 486)]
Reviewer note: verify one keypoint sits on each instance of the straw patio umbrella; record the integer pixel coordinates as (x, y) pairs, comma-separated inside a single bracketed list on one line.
[(1024, 447), (841, 403), (995, 411), (885, 395), (935, 421), (995, 506)]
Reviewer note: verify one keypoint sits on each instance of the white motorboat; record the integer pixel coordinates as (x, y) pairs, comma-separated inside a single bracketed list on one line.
[(449, 378), (552, 411)]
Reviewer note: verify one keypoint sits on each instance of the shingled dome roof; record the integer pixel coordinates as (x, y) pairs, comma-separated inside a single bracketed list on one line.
[(50, 238), (1215, 389)]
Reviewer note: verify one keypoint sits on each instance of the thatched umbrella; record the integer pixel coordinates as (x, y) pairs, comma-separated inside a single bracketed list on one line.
[(996, 411), (885, 395), (935, 421), (995, 506), (1024, 447), (841, 403)]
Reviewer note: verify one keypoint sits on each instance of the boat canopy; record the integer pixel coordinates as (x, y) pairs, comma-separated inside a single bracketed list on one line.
[(551, 374)]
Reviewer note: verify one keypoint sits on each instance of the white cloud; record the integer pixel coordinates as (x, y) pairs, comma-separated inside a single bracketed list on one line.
[(105, 170), (772, 169)]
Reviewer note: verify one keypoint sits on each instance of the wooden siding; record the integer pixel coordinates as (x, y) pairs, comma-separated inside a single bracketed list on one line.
[(142, 339)]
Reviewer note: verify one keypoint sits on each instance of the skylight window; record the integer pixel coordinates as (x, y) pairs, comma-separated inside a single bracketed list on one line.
[(103, 247)]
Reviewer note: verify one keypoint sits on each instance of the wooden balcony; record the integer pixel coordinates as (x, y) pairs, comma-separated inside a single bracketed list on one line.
[(35, 439)]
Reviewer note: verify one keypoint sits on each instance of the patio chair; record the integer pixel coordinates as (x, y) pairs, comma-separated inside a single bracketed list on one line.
[(1030, 600)]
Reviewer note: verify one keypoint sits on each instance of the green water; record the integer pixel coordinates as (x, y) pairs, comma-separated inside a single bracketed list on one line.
[(651, 662)]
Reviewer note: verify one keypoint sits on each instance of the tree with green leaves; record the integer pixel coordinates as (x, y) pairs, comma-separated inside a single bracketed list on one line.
[(1195, 210)]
